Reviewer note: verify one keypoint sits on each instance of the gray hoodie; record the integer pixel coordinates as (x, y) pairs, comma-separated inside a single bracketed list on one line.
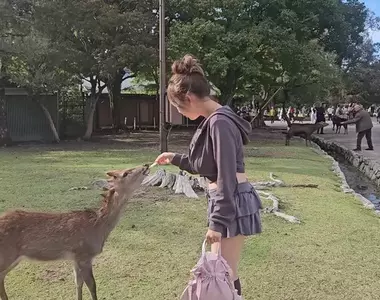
[(216, 152)]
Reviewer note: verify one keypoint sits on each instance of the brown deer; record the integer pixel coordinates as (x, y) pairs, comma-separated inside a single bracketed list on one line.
[(304, 130), (78, 235)]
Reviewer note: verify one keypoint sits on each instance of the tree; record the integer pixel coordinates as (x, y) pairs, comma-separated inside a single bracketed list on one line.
[(33, 66), (225, 43), (101, 40), (14, 15), (254, 47), (363, 81)]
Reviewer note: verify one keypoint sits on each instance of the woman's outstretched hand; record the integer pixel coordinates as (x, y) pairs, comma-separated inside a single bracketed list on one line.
[(164, 158)]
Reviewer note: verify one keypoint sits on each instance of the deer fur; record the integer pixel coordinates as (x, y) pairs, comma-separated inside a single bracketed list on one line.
[(78, 235), (304, 130), (337, 124)]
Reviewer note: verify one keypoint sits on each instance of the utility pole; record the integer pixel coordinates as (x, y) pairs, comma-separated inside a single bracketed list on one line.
[(163, 133)]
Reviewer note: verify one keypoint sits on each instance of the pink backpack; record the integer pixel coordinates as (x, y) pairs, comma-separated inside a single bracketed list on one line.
[(211, 279)]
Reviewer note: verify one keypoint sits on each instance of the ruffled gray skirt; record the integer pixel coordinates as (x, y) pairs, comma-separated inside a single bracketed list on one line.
[(247, 219)]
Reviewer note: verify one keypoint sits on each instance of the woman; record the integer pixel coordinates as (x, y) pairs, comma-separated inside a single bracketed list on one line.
[(216, 153)]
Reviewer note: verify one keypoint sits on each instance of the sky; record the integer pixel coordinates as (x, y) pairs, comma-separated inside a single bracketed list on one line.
[(374, 5)]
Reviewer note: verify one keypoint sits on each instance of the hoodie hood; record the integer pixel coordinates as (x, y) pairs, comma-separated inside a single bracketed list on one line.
[(243, 125)]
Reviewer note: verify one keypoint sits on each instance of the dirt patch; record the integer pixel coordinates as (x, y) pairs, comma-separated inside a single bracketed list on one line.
[(54, 274), (144, 140)]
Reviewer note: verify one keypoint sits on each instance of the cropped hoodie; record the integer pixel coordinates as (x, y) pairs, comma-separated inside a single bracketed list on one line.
[(216, 153)]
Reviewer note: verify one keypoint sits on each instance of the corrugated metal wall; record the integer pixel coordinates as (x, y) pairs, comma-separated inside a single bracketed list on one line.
[(144, 108), (26, 120)]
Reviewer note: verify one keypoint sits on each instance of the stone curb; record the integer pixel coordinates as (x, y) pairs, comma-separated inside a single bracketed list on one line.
[(316, 142), (367, 166)]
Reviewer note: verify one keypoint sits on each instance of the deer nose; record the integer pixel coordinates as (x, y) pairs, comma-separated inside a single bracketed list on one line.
[(146, 169)]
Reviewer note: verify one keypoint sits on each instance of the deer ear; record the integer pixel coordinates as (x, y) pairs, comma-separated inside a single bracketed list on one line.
[(113, 174)]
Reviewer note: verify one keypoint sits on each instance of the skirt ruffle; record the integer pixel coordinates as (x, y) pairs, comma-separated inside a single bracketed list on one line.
[(247, 219)]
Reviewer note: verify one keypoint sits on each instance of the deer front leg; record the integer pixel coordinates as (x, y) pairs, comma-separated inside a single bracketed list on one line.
[(78, 281), (85, 270), (8, 263), (3, 294)]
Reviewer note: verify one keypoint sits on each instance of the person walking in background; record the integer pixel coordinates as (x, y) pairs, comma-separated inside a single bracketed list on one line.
[(303, 111), (272, 114), (330, 112), (313, 116), (364, 126), (291, 113), (345, 110), (320, 117)]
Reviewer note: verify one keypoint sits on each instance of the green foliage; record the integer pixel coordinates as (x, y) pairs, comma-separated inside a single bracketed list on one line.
[(33, 65), (99, 37), (247, 47), (252, 47)]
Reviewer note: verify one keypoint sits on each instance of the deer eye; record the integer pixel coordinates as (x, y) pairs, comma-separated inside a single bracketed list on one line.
[(126, 173)]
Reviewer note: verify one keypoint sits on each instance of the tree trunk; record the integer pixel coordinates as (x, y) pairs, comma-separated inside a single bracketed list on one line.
[(90, 117), (259, 121), (114, 92), (50, 121), (94, 98), (5, 139)]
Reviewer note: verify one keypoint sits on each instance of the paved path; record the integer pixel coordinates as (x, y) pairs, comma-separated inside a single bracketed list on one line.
[(348, 140)]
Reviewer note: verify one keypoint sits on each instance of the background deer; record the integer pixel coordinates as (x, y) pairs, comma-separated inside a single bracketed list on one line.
[(76, 235)]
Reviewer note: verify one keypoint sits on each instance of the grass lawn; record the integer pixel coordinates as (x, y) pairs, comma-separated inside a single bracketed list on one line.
[(333, 254)]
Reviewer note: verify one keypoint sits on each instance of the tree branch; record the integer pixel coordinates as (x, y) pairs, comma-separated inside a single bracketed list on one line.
[(128, 77)]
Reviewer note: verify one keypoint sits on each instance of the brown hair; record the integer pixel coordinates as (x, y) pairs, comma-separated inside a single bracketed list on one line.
[(188, 77)]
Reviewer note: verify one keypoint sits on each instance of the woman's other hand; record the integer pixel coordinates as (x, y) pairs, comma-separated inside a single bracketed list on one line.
[(164, 158), (213, 236)]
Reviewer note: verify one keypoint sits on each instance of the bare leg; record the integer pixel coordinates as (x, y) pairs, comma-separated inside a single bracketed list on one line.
[(85, 269), (78, 282), (231, 251)]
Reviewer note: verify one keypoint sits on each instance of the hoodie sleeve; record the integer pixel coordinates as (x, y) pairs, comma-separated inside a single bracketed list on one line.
[(182, 161), (224, 147)]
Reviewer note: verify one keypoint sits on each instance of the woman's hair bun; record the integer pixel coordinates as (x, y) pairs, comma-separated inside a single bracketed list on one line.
[(188, 65)]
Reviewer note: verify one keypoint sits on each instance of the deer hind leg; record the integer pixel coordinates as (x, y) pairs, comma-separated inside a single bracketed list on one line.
[(78, 281), (84, 269)]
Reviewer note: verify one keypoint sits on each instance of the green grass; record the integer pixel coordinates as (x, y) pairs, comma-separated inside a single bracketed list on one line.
[(333, 254)]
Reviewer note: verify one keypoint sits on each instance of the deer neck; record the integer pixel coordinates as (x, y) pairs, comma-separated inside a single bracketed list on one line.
[(110, 212)]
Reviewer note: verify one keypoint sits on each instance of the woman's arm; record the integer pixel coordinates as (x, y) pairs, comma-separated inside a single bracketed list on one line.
[(182, 162), (224, 145)]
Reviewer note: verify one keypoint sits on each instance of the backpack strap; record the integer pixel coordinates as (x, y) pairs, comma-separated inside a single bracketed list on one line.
[(204, 248), (190, 291)]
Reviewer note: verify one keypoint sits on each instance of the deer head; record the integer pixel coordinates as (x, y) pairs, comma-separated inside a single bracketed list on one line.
[(125, 182)]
